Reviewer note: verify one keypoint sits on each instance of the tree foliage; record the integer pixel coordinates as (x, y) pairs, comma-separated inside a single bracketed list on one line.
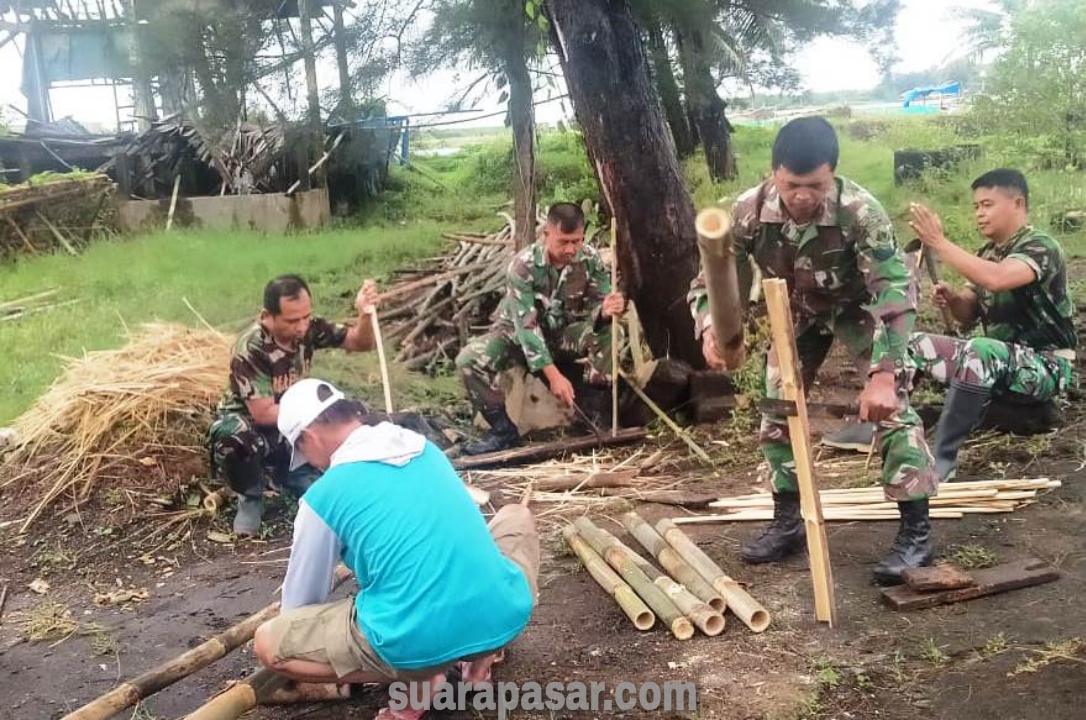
[(1036, 92)]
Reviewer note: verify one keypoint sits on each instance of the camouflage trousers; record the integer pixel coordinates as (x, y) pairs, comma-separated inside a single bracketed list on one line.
[(1003, 368), (907, 464), (484, 358), (247, 457)]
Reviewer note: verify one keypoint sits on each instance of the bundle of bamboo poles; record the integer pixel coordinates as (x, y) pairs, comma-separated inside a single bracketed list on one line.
[(694, 593), (954, 501), (432, 314), (111, 408)]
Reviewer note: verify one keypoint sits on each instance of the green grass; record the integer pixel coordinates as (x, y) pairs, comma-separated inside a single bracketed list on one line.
[(136, 280), (125, 282)]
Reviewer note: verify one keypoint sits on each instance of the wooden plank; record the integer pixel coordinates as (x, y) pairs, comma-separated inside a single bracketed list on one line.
[(542, 451), (784, 344), (614, 331), (938, 577), (56, 233), (1010, 576)]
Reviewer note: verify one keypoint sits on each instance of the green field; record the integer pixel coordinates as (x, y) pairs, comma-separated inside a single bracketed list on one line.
[(124, 282)]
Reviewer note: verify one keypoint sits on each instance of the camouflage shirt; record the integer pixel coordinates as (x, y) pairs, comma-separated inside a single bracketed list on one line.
[(541, 300), (1040, 314), (261, 368), (847, 257)]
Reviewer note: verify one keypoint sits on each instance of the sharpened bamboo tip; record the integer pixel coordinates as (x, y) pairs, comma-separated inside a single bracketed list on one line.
[(713, 223), (635, 609), (682, 628)]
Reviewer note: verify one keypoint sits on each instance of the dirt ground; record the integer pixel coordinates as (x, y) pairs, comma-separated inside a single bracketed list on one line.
[(1014, 656)]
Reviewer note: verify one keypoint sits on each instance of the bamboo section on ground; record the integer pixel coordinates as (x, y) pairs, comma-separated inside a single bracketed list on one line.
[(601, 572), (672, 561), (653, 596), (746, 608), (705, 618)]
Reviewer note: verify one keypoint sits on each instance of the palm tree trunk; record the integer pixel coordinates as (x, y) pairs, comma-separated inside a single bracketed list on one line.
[(668, 90), (522, 120), (629, 143), (706, 107)]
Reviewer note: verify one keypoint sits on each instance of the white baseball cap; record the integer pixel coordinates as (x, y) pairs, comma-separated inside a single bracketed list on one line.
[(299, 407)]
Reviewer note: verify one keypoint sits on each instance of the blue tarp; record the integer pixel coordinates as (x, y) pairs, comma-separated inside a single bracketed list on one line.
[(950, 88)]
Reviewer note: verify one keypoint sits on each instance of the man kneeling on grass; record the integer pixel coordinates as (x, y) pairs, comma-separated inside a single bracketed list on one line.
[(438, 588)]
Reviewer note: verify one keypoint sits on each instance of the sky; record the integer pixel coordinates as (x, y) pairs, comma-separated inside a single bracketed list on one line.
[(925, 35)]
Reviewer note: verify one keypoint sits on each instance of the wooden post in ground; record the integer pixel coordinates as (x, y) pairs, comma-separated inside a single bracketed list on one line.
[(614, 332), (784, 344)]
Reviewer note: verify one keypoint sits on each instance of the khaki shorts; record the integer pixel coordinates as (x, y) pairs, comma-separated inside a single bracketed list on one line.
[(328, 633)]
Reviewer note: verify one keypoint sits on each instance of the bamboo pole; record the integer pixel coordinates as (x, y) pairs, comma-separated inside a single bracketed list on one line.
[(784, 345), (142, 686), (382, 361), (713, 226), (684, 436), (634, 607), (653, 596), (672, 561), (846, 516), (746, 608), (241, 697), (614, 332)]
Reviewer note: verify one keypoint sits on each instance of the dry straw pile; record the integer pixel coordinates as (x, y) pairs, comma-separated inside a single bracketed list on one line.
[(112, 408)]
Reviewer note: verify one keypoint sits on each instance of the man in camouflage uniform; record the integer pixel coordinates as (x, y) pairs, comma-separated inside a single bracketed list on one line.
[(558, 302), (834, 244), (1017, 291), (275, 352)]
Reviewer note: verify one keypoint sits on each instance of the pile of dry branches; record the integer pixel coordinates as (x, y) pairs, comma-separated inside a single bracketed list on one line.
[(112, 411), (435, 312)]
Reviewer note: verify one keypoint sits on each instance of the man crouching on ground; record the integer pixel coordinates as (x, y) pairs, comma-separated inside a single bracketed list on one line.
[(437, 586)]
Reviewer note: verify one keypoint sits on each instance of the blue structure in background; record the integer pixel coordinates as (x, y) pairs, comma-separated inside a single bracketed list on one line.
[(950, 89)]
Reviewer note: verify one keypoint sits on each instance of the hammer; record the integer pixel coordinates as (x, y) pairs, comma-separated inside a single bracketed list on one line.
[(927, 259)]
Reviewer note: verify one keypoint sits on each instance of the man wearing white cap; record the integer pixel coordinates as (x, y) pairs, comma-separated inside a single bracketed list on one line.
[(437, 585)]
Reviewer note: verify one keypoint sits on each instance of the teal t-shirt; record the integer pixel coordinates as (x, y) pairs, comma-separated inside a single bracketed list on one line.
[(433, 587)]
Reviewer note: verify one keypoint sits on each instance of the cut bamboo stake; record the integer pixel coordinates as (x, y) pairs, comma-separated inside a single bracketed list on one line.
[(683, 435), (713, 226), (614, 332), (382, 361), (653, 596), (131, 692), (173, 202), (672, 561), (746, 608), (601, 572), (784, 345)]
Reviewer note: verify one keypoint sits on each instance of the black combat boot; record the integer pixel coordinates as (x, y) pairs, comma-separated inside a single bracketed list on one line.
[(964, 409), (912, 547), (784, 536), (503, 433), (244, 472)]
